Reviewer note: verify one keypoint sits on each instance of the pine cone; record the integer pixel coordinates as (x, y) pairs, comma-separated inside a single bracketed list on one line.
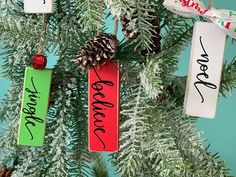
[(165, 94), (129, 22), (9, 172), (170, 89), (97, 50), (3, 172), (161, 97)]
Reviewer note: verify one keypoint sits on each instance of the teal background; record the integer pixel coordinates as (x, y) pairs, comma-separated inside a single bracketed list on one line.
[(219, 132)]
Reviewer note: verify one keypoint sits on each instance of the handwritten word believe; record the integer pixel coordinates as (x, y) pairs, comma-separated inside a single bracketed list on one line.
[(30, 109), (191, 3), (99, 106), (203, 76)]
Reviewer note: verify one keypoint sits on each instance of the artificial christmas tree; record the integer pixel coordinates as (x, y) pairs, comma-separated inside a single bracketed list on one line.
[(156, 139)]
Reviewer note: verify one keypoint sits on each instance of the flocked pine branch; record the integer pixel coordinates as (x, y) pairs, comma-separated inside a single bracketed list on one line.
[(198, 162), (151, 78), (60, 140), (144, 12), (117, 7), (141, 13), (177, 31), (30, 162), (134, 130), (75, 116), (99, 167), (9, 113), (160, 67), (162, 156), (228, 82), (90, 14)]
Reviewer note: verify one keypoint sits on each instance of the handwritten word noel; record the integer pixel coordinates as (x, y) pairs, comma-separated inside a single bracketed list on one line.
[(202, 78)]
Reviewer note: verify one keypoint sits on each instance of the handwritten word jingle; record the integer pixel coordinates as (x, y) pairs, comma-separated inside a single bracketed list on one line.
[(30, 109), (34, 107)]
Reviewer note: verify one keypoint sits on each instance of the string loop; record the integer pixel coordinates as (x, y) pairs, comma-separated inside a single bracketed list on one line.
[(210, 3), (116, 26), (43, 33)]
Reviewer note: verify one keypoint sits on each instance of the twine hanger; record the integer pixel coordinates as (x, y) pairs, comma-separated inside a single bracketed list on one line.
[(43, 32), (210, 3), (116, 26)]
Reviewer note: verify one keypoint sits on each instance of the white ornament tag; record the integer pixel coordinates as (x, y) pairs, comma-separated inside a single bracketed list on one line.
[(38, 6), (207, 53)]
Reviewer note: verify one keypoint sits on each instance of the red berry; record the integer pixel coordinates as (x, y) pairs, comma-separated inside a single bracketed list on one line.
[(39, 62)]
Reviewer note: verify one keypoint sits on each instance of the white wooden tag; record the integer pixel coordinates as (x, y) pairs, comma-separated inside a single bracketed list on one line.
[(207, 53), (38, 6)]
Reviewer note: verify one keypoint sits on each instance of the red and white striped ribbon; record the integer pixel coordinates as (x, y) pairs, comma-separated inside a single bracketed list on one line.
[(223, 18)]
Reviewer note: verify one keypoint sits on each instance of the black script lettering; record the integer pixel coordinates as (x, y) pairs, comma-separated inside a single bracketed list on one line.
[(44, 1), (99, 105), (100, 139), (30, 109), (203, 75)]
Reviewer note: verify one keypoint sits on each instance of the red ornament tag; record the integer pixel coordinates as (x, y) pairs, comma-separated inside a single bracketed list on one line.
[(104, 97)]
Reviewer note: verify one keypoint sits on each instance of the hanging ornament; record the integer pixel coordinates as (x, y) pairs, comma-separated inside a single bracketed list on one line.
[(103, 90), (207, 55), (104, 93), (38, 6), (34, 106), (97, 50), (37, 83), (205, 70), (129, 23)]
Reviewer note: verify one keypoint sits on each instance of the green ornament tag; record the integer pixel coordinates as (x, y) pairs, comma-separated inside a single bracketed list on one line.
[(34, 107)]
